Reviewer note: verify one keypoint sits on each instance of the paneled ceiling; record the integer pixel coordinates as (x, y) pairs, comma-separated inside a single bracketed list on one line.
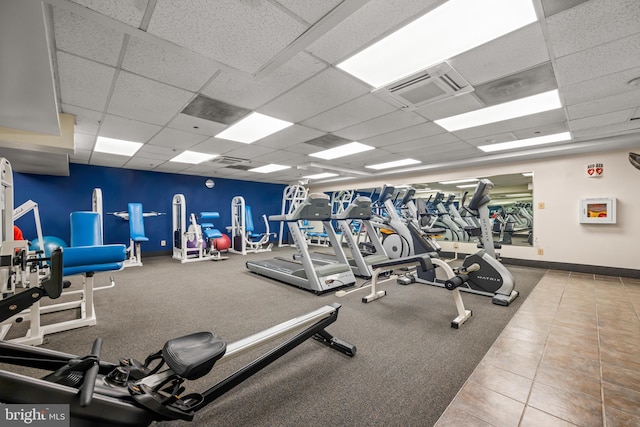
[(128, 69)]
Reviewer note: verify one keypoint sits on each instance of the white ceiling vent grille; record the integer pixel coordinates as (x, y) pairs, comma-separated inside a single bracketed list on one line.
[(228, 160), (425, 87)]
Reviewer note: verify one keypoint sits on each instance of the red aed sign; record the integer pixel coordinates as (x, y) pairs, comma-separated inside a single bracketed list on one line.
[(595, 170)]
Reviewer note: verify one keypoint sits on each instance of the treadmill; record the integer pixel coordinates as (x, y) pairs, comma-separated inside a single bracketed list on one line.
[(359, 209), (302, 272)]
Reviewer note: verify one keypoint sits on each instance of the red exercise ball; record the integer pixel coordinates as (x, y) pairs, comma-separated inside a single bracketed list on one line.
[(222, 243)]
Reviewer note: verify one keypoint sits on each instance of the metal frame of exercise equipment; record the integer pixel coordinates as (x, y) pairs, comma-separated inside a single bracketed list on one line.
[(132, 393)]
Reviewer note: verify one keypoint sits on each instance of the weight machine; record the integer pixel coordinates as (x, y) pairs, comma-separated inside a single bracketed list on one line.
[(197, 242), (86, 256), (243, 238)]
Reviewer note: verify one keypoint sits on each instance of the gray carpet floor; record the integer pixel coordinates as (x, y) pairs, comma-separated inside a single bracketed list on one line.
[(409, 364)]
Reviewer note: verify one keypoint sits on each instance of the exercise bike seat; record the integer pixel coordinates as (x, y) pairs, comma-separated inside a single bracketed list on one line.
[(192, 356)]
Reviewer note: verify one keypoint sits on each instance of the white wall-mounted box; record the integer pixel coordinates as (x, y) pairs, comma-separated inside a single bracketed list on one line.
[(601, 210)]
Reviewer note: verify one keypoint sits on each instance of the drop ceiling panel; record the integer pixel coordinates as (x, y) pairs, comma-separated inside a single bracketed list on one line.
[(287, 137), (284, 157), (127, 129), (503, 56), (142, 163), (604, 105), (129, 12), (168, 137), (384, 124), (532, 81), (83, 141), (457, 155), (602, 87), (601, 120), (326, 90), (422, 144), (110, 160), (244, 35), (216, 146), (367, 24), (551, 7), (438, 151), (450, 107), (541, 130), (199, 169), (608, 58), (305, 149), (592, 24), (527, 122), (84, 83), (167, 66), (492, 139), (171, 167), (350, 113), (403, 135), (609, 130), (83, 37), (146, 100), (310, 10), (238, 88), (156, 152), (86, 121), (249, 151), (197, 125)]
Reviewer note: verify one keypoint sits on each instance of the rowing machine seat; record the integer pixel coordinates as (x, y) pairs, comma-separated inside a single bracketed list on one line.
[(193, 356)]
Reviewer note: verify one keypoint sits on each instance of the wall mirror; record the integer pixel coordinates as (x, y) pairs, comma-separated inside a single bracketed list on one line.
[(511, 207)]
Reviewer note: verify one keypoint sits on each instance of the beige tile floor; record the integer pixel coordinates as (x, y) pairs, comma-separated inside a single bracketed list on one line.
[(569, 357)]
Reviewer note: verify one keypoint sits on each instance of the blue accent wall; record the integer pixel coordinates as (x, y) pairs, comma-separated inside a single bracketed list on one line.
[(58, 196)]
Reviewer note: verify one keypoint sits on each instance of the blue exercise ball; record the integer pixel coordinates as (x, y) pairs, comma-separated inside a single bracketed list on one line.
[(50, 243)]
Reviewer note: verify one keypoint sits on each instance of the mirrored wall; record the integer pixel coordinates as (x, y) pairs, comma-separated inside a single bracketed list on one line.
[(511, 207), (441, 205)]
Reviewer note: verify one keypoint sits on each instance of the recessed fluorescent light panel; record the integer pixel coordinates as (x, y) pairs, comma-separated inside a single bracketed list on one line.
[(459, 181), (509, 110), (466, 186), (522, 143), (252, 128), (342, 151), (193, 157), (321, 175), (116, 146), (269, 168), (527, 174), (397, 163), (455, 27)]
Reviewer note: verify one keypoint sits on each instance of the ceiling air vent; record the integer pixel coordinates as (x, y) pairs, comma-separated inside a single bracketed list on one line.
[(229, 161), (425, 87)]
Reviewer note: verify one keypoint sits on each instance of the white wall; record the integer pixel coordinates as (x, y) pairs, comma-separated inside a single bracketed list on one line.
[(560, 183)]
